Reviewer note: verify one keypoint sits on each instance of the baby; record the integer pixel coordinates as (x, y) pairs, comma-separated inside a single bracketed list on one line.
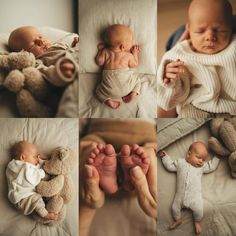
[(23, 174), (197, 76), (116, 56), (189, 187), (55, 61)]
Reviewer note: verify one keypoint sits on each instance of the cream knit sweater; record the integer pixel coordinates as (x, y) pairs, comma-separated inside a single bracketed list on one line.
[(210, 86)]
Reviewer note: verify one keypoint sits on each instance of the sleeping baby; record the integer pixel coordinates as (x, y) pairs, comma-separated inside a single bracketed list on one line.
[(117, 55), (55, 61), (189, 187), (23, 173)]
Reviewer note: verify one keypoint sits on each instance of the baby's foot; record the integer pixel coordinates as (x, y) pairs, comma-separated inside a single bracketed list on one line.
[(112, 104), (175, 224), (129, 158), (198, 228), (51, 216), (103, 157), (129, 97)]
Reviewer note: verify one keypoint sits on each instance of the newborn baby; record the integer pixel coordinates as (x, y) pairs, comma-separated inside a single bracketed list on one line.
[(197, 76), (23, 174), (55, 61), (116, 56), (189, 187)]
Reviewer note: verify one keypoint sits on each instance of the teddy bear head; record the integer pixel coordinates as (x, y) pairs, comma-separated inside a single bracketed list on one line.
[(62, 161)]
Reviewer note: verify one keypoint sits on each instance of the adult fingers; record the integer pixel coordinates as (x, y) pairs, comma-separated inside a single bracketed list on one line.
[(91, 193), (145, 199)]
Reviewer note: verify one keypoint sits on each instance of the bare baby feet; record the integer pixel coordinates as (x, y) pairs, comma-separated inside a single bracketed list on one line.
[(129, 97), (175, 224), (51, 216), (103, 157), (129, 158), (198, 228), (112, 104)]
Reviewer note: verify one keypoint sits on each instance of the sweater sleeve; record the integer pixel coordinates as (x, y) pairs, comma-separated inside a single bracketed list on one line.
[(169, 164), (211, 165), (33, 176), (53, 73)]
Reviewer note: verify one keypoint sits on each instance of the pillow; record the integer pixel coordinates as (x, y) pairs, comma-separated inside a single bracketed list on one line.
[(139, 15), (170, 130), (55, 35)]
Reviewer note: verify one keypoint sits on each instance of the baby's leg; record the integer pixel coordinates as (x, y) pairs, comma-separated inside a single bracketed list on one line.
[(176, 211), (129, 97), (197, 209), (113, 104), (131, 157), (103, 157)]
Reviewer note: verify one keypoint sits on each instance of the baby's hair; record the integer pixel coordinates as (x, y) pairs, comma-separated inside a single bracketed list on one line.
[(194, 143), (16, 150), (113, 30)]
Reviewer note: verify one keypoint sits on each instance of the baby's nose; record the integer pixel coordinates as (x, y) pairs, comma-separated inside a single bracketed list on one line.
[(210, 36)]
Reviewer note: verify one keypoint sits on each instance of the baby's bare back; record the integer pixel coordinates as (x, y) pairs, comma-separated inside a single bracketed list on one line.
[(117, 60)]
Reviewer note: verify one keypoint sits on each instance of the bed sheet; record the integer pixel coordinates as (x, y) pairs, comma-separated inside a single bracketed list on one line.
[(218, 188), (47, 134), (144, 105)]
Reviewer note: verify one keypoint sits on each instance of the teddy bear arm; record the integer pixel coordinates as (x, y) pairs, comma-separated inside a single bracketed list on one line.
[(67, 191), (51, 187)]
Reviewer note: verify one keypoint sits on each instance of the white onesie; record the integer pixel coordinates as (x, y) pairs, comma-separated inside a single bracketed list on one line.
[(189, 186), (22, 178)]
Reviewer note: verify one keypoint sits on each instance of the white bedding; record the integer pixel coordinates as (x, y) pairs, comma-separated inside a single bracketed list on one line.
[(218, 188), (47, 134), (144, 105)]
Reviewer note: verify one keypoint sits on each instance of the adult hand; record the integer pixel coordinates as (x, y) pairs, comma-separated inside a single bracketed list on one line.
[(146, 186)]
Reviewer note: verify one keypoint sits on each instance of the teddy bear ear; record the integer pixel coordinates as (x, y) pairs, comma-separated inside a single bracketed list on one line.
[(62, 153)]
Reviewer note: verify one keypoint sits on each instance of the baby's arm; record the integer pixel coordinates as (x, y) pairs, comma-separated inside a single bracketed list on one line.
[(168, 163), (101, 54), (211, 165), (134, 60)]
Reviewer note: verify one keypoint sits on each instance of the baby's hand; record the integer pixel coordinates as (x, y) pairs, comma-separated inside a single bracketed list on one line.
[(135, 49), (75, 41), (161, 154), (100, 46), (67, 68), (173, 69)]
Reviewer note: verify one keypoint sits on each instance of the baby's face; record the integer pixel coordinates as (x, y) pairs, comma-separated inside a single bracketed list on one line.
[(210, 29), (197, 155), (31, 40), (29, 153)]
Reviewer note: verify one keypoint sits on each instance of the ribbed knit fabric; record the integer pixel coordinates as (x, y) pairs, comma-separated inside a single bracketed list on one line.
[(210, 86)]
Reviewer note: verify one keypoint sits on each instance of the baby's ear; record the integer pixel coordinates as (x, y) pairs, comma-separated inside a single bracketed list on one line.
[(121, 46), (22, 157), (187, 26)]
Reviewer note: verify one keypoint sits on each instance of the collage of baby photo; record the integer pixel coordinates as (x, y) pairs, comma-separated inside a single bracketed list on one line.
[(118, 118)]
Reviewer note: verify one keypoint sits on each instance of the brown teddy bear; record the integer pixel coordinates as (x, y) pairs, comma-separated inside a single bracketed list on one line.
[(58, 189), (224, 141), (27, 82)]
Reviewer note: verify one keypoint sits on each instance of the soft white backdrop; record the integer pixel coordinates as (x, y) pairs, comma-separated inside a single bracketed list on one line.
[(54, 13)]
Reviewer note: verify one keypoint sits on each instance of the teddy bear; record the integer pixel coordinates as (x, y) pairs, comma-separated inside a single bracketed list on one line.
[(27, 82), (58, 189), (223, 142)]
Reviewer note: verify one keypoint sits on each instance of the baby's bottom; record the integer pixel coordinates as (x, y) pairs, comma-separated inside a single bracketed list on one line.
[(32, 203)]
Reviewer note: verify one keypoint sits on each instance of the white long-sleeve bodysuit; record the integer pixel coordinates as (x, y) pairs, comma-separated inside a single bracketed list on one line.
[(189, 186)]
